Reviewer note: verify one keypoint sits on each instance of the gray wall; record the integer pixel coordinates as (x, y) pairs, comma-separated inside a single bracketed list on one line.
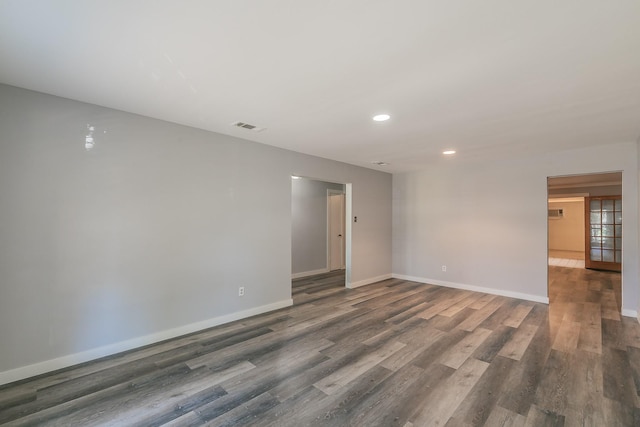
[(487, 221), (148, 234), (309, 224)]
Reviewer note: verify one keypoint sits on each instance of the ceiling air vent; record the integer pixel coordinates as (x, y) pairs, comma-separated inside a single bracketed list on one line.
[(247, 126)]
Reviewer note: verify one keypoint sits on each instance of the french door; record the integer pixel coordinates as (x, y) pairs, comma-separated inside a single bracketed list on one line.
[(603, 243)]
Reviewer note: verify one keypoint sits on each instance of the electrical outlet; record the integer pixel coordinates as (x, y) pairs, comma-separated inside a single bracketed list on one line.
[(241, 291), (444, 268)]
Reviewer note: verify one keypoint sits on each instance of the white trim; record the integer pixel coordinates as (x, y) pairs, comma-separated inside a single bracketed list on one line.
[(567, 200), (333, 192), (309, 273), (629, 313), (348, 229), (369, 281), (108, 350), (493, 291)]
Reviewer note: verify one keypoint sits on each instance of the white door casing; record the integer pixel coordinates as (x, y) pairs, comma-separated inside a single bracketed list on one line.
[(336, 229)]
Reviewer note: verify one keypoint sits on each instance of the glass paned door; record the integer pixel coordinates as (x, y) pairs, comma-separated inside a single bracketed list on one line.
[(603, 219)]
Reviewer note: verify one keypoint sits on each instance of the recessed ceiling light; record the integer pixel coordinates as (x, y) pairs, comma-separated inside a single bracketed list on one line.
[(449, 152), (381, 117)]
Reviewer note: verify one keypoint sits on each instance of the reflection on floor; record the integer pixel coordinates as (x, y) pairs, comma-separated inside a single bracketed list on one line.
[(582, 286), (318, 286)]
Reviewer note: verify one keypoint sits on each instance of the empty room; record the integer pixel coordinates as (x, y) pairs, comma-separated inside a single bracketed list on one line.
[(292, 213)]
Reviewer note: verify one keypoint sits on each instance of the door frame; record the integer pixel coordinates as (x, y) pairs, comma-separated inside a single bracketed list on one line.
[(586, 196), (348, 229), (331, 192)]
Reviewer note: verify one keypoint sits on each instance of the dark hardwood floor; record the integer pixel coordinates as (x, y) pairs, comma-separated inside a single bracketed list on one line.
[(391, 353)]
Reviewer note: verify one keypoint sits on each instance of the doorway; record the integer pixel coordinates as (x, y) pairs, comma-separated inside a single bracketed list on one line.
[(320, 236), (585, 239)]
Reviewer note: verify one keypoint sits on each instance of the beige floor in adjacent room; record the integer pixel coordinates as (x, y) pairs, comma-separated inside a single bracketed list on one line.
[(571, 259)]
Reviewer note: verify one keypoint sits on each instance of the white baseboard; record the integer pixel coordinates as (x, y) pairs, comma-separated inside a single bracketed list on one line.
[(96, 353), (309, 273), (369, 281), (629, 313), (501, 292)]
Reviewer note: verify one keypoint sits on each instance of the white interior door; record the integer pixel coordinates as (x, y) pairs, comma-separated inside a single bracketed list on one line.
[(336, 231)]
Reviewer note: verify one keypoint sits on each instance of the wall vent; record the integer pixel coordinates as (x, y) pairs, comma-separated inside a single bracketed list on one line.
[(556, 213), (247, 126)]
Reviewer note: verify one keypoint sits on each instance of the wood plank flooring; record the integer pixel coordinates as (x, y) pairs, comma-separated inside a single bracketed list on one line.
[(392, 353)]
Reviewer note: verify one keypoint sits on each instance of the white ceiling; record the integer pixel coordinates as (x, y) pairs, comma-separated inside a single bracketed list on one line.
[(487, 78)]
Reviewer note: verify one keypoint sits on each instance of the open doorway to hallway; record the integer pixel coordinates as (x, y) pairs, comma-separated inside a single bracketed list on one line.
[(318, 234), (585, 241)]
